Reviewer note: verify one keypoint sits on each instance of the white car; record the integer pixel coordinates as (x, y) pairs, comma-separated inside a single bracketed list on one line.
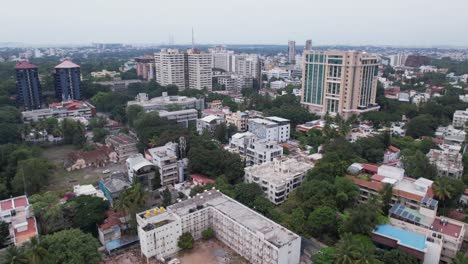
[(105, 171)]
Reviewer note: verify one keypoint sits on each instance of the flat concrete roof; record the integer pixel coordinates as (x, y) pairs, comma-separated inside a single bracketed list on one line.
[(253, 221)]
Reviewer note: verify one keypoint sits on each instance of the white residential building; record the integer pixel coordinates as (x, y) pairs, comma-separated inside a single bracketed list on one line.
[(271, 128), (222, 59), (166, 159), (253, 150), (199, 70), (66, 109), (141, 170), (165, 102), (19, 215), (277, 178), (105, 73), (248, 65), (170, 68), (277, 73), (459, 118), (448, 161), (253, 236), (183, 117), (277, 85), (262, 151), (208, 123), (451, 135)]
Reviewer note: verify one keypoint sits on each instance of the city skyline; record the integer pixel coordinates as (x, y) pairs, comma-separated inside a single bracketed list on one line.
[(362, 22)]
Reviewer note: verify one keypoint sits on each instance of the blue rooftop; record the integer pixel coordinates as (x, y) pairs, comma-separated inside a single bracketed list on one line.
[(404, 238)]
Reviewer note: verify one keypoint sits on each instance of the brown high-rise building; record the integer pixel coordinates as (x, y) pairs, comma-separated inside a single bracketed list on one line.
[(339, 82)]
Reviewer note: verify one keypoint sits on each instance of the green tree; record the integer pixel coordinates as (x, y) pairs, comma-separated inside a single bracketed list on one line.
[(386, 196), (247, 192), (132, 113), (362, 219), (4, 233), (355, 249), (89, 212), (185, 241), (417, 165), (208, 233), (395, 256), (167, 197), (70, 246), (324, 256), (14, 255), (73, 132), (460, 258), (322, 222), (443, 191), (32, 175), (99, 134), (35, 252), (422, 125)]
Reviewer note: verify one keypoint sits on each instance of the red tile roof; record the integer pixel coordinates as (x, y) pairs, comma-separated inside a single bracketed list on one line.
[(113, 219), (376, 186), (407, 195), (25, 65), (377, 177), (66, 64), (6, 205), (20, 202), (370, 167), (21, 237), (201, 179), (393, 149), (449, 229)]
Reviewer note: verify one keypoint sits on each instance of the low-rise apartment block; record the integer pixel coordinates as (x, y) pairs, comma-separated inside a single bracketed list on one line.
[(167, 102), (124, 145), (371, 180), (238, 119), (253, 236), (270, 128), (253, 150), (16, 212), (448, 161), (182, 117), (61, 110), (209, 124), (277, 178), (445, 232), (166, 159), (459, 118), (141, 170)]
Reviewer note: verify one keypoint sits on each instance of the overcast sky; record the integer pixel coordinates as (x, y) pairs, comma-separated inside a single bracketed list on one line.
[(355, 22)]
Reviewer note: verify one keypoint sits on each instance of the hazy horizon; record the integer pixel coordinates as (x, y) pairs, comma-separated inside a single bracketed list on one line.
[(401, 23)]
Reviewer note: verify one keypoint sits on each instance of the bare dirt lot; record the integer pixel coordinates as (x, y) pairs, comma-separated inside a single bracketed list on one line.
[(210, 252), (63, 180), (207, 252)]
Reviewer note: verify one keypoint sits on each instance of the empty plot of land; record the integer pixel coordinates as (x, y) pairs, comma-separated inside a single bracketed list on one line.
[(62, 180), (210, 252)]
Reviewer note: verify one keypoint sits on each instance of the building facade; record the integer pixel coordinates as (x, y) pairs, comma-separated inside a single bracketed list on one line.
[(70, 109), (182, 117), (22, 224), (238, 119), (292, 52), (308, 45), (270, 128), (449, 161), (171, 68), (145, 67), (278, 178), (251, 235), (28, 87), (459, 118), (199, 70), (166, 159), (166, 102), (124, 145), (67, 80), (141, 170), (339, 82)]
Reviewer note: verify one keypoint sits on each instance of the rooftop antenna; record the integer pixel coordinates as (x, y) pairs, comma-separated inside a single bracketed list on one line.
[(193, 40)]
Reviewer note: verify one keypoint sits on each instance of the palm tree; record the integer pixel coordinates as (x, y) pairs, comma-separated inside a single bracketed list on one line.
[(442, 191), (14, 255), (36, 252), (386, 197), (346, 250)]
